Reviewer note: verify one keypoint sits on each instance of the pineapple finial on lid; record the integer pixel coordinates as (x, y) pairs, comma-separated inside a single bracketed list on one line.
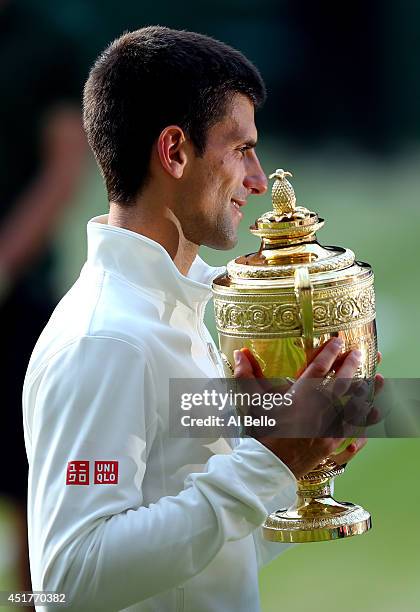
[(286, 223), (282, 193)]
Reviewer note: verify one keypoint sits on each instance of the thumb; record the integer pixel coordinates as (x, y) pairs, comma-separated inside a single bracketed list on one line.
[(243, 367)]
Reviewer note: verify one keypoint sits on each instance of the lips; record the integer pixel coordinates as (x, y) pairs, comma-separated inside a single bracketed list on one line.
[(238, 203), (237, 206)]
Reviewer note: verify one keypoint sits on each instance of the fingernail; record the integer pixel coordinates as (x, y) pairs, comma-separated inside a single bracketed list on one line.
[(357, 354), (237, 357), (337, 342)]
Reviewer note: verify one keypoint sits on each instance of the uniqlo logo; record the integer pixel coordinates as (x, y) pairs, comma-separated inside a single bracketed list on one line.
[(77, 473), (106, 472)]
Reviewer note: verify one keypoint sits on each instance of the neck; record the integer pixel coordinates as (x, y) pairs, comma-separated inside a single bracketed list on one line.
[(157, 222)]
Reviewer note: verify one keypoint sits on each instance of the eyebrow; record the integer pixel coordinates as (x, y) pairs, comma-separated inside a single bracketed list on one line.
[(239, 138), (251, 143)]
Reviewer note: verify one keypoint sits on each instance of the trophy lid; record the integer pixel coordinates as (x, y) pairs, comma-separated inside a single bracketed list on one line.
[(288, 241)]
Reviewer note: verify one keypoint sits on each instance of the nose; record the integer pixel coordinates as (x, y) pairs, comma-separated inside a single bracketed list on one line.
[(255, 180)]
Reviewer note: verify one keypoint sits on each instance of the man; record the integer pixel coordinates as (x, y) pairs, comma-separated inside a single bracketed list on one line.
[(175, 523)]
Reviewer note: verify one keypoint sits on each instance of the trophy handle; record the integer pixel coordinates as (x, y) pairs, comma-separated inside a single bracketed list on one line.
[(304, 291)]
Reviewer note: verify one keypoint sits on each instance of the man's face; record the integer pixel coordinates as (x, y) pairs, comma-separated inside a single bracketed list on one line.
[(216, 186)]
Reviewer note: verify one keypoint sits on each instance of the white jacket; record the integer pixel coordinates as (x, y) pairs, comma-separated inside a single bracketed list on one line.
[(180, 527)]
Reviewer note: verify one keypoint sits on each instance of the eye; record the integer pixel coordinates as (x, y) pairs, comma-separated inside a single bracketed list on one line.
[(244, 149)]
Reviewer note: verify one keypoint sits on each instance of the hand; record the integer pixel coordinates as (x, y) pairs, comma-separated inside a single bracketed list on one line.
[(299, 453), (357, 444)]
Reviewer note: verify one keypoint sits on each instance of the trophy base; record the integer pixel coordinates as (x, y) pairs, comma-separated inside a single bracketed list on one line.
[(316, 516), (317, 524)]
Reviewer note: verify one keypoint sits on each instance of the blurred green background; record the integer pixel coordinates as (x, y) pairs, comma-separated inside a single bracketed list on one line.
[(343, 116)]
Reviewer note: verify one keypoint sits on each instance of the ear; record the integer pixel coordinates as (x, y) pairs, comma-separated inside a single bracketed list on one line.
[(172, 154)]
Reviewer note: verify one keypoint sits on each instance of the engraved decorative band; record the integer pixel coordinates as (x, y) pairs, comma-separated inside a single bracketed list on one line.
[(333, 309)]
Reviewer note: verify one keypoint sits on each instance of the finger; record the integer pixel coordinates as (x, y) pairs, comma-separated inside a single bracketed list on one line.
[(322, 363), (257, 372), (339, 361), (346, 373), (357, 445), (350, 365), (379, 383), (256, 368), (355, 411), (374, 417), (351, 451), (314, 353), (243, 367), (244, 375), (358, 409)]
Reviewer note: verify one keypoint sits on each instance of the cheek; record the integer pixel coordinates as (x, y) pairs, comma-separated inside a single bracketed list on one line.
[(218, 184), (228, 179), (215, 191)]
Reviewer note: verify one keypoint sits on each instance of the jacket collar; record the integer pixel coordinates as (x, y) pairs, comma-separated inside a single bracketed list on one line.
[(147, 265)]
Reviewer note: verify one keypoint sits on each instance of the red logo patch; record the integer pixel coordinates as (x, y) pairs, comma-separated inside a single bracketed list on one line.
[(106, 472), (77, 473)]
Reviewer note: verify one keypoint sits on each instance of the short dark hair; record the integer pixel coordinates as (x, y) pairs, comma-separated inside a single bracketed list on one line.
[(151, 78)]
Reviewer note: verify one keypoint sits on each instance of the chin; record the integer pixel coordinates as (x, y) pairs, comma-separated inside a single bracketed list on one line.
[(224, 244), (222, 236)]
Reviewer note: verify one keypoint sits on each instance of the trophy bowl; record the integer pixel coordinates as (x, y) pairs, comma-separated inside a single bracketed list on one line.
[(282, 303)]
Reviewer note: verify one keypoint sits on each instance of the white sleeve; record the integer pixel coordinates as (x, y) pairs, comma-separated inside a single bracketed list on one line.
[(98, 543), (268, 551)]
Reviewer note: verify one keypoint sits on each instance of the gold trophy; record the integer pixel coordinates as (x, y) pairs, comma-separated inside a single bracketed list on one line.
[(282, 303)]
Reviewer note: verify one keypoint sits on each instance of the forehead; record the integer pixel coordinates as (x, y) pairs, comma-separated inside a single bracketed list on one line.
[(238, 123)]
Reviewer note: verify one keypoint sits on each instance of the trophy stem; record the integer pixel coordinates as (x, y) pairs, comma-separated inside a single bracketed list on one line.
[(316, 516)]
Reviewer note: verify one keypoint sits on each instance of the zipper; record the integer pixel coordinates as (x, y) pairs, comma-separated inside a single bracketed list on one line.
[(180, 600), (211, 352)]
